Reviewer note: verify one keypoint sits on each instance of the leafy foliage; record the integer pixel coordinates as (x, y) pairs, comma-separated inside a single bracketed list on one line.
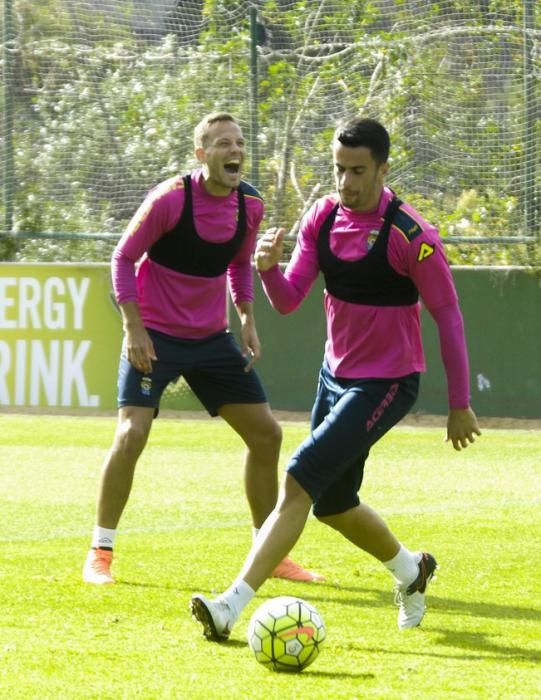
[(105, 110)]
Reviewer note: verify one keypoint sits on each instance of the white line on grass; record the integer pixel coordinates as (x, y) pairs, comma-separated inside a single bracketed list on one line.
[(59, 534)]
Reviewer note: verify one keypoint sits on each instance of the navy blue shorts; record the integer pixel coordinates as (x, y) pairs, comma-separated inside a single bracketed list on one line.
[(348, 417), (212, 367)]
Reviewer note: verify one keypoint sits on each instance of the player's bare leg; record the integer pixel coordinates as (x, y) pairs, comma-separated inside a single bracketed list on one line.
[(278, 535), (262, 435), (133, 428), (366, 529), (412, 571)]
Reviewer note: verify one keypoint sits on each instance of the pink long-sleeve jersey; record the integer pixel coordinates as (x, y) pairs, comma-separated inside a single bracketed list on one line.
[(365, 341), (183, 305)]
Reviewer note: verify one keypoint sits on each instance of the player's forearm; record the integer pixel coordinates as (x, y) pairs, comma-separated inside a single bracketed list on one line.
[(131, 316), (245, 311), (241, 281)]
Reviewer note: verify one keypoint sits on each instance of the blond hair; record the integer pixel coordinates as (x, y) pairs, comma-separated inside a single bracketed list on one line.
[(200, 132)]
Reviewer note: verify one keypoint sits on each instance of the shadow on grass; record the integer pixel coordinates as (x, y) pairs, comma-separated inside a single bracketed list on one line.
[(341, 675), (157, 586), (480, 643), (481, 647), (240, 644), (373, 597)]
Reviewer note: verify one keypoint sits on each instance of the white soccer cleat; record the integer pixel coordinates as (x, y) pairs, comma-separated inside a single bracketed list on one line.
[(215, 616), (411, 599)]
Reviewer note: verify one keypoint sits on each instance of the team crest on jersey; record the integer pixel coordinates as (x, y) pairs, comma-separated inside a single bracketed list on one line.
[(372, 238), (425, 251)]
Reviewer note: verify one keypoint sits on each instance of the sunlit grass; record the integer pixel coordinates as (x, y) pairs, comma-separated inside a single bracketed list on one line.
[(187, 528)]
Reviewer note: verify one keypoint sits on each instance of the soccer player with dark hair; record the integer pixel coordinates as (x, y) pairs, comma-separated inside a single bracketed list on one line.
[(378, 256), (191, 239)]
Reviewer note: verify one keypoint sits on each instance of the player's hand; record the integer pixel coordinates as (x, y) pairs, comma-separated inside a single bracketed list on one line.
[(139, 348), (269, 249), (462, 426), (249, 343)]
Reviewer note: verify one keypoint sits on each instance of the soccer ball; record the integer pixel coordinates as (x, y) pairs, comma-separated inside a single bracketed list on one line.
[(286, 634)]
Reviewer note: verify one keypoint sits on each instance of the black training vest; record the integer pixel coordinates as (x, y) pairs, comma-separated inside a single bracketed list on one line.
[(369, 280), (183, 250)]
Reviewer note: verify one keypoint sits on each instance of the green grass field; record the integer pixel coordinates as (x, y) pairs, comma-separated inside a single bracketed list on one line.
[(187, 529)]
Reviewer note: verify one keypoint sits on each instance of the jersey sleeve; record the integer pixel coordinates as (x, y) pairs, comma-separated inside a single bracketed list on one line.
[(239, 272), (454, 354), (283, 293), (158, 213), (287, 290), (416, 250)]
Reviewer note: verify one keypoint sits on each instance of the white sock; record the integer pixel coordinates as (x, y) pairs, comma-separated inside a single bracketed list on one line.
[(237, 596), (404, 566), (103, 537)]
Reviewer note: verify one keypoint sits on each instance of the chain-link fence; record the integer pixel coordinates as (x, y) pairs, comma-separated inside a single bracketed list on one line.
[(100, 100)]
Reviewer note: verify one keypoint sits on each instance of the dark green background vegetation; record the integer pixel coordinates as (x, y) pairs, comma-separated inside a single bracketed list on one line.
[(104, 97)]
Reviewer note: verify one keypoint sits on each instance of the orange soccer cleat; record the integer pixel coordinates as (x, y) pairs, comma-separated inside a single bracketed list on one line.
[(291, 571), (97, 568)]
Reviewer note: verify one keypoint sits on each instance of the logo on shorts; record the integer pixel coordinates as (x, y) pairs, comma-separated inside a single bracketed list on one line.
[(387, 401), (146, 386)]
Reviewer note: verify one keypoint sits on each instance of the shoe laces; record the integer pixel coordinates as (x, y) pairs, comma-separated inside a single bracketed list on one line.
[(222, 604), (101, 561), (400, 597), (228, 612)]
